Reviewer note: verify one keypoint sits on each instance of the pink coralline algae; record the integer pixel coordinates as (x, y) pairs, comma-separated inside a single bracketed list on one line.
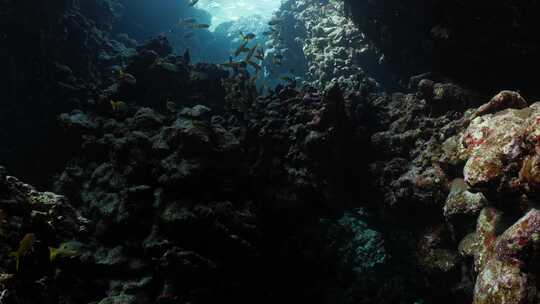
[(501, 282), (500, 149), (496, 144)]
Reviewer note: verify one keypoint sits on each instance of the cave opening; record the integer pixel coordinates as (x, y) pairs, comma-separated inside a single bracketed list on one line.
[(225, 11)]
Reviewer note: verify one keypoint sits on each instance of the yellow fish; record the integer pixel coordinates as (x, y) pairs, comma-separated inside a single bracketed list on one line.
[(241, 49), (199, 26), (439, 92), (247, 37), (126, 77), (274, 22), (117, 105), (62, 251), (187, 21), (251, 52), (25, 245), (255, 66)]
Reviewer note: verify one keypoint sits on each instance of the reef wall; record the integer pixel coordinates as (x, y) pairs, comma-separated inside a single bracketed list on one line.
[(53, 56), (186, 194), (427, 197), (331, 45)]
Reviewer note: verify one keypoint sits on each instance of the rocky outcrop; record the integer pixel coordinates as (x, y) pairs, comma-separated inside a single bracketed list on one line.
[(223, 193), (478, 172), (53, 56), (497, 151), (330, 43), (408, 135), (32, 225), (164, 185)]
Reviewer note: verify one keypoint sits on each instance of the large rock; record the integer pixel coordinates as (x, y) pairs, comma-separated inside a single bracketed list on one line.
[(499, 148), (501, 283), (501, 151)]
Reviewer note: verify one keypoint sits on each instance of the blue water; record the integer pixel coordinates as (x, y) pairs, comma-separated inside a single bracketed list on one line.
[(230, 10)]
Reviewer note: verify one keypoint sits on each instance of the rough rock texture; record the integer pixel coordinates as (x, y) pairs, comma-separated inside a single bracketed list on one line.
[(46, 220), (500, 149), (496, 150), (332, 45), (53, 55), (224, 194), (461, 202), (425, 198), (410, 173), (501, 282)]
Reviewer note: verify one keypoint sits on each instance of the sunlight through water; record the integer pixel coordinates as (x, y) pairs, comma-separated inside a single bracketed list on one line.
[(230, 10)]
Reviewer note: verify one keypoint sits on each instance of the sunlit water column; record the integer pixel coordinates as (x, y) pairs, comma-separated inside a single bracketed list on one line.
[(230, 10)]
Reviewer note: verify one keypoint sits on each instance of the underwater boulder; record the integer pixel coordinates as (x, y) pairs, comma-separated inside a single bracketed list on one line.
[(502, 282), (434, 254), (487, 227), (160, 45), (462, 202), (146, 119), (463, 207), (197, 112), (522, 236), (500, 152), (77, 121)]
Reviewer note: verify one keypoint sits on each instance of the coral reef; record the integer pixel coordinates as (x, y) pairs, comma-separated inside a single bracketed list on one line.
[(181, 182), (497, 152), (478, 172), (53, 56), (194, 199), (330, 43), (32, 223)]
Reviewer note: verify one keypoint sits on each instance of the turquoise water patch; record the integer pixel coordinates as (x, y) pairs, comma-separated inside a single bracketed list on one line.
[(231, 10)]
